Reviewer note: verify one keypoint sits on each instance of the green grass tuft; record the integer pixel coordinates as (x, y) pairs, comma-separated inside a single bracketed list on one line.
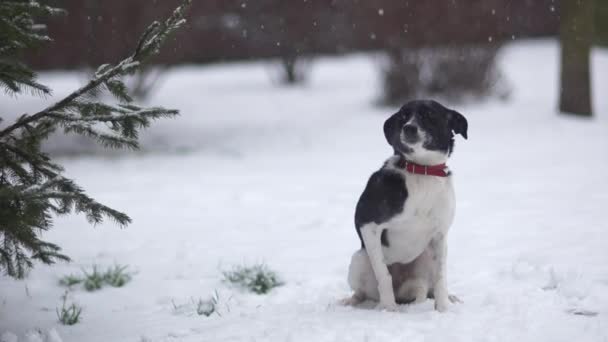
[(94, 280), (68, 314), (117, 276), (70, 280), (256, 278)]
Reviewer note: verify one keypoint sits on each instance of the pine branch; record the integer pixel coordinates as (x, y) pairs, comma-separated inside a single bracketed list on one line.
[(14, 76), (148, 46), (32, 189), (33, 7)]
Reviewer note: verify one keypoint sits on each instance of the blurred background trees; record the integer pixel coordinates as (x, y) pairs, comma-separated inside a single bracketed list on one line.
[(444, 49), (447, 40)]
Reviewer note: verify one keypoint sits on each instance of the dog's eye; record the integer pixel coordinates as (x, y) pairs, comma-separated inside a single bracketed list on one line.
[(436, 117), (407, 116), (432, 115)]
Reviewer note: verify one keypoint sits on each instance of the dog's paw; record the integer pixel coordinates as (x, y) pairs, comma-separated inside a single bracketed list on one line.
[(453, 299), (351, 301), (441, 305), (390, 307)]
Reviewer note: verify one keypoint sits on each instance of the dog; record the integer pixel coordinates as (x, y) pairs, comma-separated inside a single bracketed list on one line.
[(403, 216)]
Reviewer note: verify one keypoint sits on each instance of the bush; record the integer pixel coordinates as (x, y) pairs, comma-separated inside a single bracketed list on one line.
[(294, 69), (453, 73)]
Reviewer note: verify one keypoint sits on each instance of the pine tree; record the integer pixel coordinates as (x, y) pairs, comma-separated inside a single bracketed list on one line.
[(32, 187)]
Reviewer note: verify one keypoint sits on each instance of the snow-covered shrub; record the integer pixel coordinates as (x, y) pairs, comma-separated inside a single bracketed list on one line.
[(202, 307), (209, 306), (454, 73)]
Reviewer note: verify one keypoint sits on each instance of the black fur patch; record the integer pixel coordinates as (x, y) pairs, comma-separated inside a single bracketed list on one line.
[(383, 197)]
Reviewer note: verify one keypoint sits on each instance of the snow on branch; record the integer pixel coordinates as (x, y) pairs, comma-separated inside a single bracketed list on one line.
[(109, 75)]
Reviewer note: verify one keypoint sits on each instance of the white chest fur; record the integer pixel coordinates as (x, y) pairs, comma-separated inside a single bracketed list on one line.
[(428, 211)]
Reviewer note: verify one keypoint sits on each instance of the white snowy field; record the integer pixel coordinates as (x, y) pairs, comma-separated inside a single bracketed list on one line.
[(252, 172)]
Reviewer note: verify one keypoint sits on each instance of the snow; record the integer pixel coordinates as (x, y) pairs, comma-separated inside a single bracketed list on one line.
[(8, 336), (252, 172)]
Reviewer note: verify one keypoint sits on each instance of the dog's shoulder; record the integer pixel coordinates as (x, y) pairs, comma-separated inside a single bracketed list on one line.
[(384, 196)]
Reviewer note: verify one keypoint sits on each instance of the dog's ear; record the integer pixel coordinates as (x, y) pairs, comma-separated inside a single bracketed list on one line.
[(391, 126), (458, 123)]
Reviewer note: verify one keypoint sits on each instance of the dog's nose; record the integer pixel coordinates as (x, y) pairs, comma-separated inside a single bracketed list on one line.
[(410, 130)]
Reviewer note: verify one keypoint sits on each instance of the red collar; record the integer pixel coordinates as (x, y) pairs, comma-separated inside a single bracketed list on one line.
[(428, 170)]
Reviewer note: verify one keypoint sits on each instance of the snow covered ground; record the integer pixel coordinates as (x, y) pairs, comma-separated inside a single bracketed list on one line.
[(252, 172)]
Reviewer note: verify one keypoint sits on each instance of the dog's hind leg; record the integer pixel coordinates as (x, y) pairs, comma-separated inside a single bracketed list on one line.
[(412, 291), (412, 281), (361, 279)]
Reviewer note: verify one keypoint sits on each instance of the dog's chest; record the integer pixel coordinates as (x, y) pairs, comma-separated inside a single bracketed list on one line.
[(427, 211)]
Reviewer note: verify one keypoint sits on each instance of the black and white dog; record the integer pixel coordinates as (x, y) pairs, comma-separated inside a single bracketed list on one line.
[(404, 213)]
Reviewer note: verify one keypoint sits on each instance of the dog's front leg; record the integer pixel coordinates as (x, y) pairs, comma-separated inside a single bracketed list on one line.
[(439, 245), (371, 237)]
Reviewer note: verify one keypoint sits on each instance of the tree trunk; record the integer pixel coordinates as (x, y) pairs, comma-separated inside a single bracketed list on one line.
[(576, 36), (289, 68)]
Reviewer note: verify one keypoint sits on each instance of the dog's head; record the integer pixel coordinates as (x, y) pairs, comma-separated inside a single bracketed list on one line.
[(423, 131)]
